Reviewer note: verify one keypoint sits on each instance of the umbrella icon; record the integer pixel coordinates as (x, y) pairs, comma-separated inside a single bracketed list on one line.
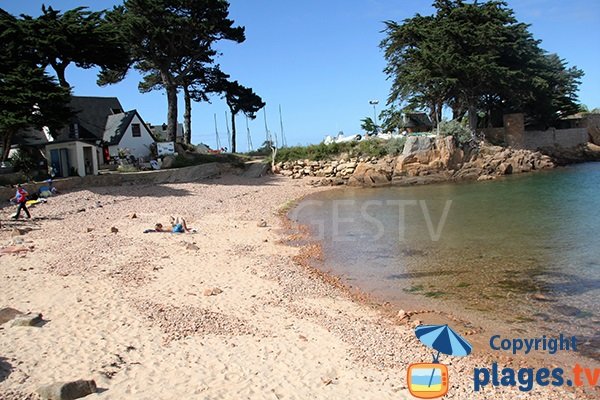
[(443, 339)]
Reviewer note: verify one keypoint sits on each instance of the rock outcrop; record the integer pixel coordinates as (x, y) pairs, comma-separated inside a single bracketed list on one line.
[(423, 160), (373, 173)]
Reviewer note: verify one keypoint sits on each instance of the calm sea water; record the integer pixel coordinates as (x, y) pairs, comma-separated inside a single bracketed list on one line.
[(522, 253)]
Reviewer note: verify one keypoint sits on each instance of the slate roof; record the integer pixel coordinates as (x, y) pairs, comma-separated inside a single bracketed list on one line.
[(413, 120), (91, 114), (116, 125)]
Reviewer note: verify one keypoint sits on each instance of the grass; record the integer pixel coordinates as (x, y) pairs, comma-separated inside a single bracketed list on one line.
[(434, 294), (322, 151), (414, 289)]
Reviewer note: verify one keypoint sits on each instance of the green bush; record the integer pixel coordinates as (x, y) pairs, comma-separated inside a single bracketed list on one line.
[(370, 148), (22, 161), (314, 152), (364, 148), (395, 146), (461, 133)]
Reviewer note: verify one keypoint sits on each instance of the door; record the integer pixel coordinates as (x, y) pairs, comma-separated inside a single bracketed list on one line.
[(65, 165), (55, 162)]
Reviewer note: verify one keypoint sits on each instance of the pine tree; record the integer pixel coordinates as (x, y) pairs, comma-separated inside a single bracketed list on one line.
[(29, 98), (172, 40), (476, 57)]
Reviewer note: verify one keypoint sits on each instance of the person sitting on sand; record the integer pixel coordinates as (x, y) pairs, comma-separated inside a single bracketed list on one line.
[(158, 227), (21, 199), (178, 224)]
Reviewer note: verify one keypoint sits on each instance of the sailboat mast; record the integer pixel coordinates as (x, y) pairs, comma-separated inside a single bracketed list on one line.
[(283, 140), (250, 147), (267, 134), (228, 131), (217, 134)]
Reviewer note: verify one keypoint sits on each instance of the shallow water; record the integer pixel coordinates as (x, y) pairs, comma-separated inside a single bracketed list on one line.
[(522, 253)]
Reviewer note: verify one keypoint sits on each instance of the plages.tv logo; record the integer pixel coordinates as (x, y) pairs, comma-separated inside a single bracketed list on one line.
[(430, 380)]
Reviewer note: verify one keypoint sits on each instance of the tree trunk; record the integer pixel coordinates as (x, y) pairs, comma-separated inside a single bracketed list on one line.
[(6, 143), (60, 68), (472, 116), (172, 114), (187, 116), (232, 131), (437, 118)]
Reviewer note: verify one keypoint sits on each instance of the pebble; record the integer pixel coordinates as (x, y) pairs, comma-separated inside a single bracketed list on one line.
[(212, 291)]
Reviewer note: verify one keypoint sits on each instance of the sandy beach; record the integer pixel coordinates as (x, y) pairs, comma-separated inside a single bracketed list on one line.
[(228, 312)]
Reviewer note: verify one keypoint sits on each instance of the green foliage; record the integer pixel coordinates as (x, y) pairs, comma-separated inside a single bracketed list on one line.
[(29, 98), (76, 36), (314, 152), (239, 99), (173, 40), (368, 125), (476, 57), (370, 148), (454, 128), (391, 119), (322, 151), (23, 161), (395, 146)]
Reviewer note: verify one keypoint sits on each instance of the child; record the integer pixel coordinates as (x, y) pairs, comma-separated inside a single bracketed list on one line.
[(21, 200)]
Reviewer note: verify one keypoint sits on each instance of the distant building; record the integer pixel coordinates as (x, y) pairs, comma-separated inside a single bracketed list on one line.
[(415, 122), (160, 131), (587, 120), (98, 129)]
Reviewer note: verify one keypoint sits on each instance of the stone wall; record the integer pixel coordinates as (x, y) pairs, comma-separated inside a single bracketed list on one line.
[(332, 172), (565, 138), (514, 135), (187, 174)]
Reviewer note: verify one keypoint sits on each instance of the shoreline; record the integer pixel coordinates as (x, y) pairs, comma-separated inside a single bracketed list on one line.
[(397, 312), (275, 329)]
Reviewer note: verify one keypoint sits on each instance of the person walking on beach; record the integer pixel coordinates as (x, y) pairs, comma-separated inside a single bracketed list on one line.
[(21, 199)]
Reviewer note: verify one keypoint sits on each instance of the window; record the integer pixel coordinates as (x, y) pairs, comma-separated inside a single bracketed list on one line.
[(135, 129)]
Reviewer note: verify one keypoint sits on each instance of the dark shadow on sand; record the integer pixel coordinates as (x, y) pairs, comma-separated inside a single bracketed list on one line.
[(5, 369)]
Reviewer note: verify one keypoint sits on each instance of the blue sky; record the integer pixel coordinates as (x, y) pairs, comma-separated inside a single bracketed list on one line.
[(320, 61)]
